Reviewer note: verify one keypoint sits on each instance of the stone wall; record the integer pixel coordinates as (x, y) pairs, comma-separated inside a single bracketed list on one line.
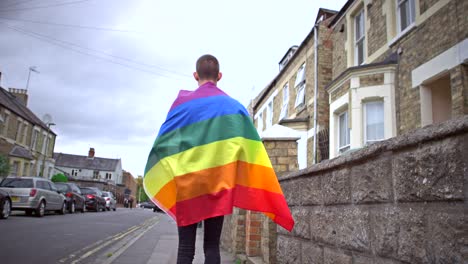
[(402, 200)]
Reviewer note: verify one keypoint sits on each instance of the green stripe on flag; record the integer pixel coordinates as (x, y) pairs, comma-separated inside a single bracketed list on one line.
[(201, 133)]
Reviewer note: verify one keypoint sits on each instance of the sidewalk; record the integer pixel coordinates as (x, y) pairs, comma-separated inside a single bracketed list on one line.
[(159, 246)]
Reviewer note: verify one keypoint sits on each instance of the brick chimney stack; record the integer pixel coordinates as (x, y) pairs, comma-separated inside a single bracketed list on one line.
[(91, 153), (20, 94)]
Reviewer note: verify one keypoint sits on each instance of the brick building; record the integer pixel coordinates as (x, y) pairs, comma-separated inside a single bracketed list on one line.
[(397, 66), (24, 138), (130, 183), (289, 99)]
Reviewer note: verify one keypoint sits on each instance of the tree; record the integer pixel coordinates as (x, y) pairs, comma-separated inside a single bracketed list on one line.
[(4, 166), (141, 194), (59, 177)]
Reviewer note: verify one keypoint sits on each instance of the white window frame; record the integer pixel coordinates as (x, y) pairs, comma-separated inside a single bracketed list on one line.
[(34, 138), (6, 123), (300, 95), (362, 39), (285, 106), (300, 86), (44, 143), (25, 133), (270, 114), (381, 102), (19, 130), (300, 76), (346, 147), (412, 14), (260, 122), (15, 168)]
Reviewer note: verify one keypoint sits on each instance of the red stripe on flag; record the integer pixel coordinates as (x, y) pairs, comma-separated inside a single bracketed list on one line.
[(210, 205)]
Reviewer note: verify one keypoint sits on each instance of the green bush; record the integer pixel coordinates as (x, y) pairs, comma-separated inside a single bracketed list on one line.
[(59, 177)]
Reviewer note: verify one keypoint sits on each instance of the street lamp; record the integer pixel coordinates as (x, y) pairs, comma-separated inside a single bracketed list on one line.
[(31, 69), (49, 124)]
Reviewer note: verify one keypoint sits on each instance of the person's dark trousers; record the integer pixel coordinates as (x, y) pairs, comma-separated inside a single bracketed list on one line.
[(187, 238)]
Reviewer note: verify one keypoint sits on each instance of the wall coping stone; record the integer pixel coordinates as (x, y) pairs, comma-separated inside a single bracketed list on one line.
[(411, 138), (280, 138)]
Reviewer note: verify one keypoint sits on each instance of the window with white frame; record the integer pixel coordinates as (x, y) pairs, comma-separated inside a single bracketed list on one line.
[(19, 130), (260, 122), (405, 14), (108, 176), (44, 143), (15, 168), (373, 121), (270, 114), (25, 133), (359, 37), (300, 86), (343, 132), (285, 106), (34, 139), (5, 124)]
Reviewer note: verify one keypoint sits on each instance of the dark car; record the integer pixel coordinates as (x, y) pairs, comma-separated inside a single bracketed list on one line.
[(5, 205), (93, 199), (150, 205), (75, 200)]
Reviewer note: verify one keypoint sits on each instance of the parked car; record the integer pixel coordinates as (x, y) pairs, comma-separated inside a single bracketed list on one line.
[(34, 194), (93, 199), (150, 205), (111, 202), (75, 200), (5, 205)]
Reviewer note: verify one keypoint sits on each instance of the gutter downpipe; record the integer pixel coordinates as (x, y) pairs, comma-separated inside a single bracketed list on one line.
[(315, 91)]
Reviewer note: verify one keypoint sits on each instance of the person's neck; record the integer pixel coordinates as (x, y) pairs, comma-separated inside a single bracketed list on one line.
[(202, 82)]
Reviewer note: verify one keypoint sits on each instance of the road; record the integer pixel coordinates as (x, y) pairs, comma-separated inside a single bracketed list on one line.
[(68, 238), (124, 236)]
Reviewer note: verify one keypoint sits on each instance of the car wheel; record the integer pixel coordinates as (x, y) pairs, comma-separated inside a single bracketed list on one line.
[(72, 208), (64, 209), (115, 208), (40, 210), (6, 209)]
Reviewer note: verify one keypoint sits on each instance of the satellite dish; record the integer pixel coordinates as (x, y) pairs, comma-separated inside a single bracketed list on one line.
[(47, 119)]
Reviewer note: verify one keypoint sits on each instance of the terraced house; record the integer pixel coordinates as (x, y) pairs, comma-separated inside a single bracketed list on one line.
[(295, 102), (397, 65), (24, 138)]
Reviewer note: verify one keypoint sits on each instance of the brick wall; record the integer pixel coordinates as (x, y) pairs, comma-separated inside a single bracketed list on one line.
[(377, 32), (398, 201), (424, 5), (342, 90), (371, 80), (437, 34), (339, 53)]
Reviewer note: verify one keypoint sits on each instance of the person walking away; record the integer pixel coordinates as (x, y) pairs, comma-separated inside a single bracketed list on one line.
[(208, 158)]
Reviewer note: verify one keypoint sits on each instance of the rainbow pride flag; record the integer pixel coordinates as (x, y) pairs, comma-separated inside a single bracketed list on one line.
[(208, 158)]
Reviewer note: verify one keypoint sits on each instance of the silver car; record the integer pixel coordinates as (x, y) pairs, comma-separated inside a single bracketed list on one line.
[(34, 194), (111, 202)]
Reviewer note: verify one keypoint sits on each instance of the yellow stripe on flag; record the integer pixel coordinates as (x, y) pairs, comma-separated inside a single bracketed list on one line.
[(203, 157)]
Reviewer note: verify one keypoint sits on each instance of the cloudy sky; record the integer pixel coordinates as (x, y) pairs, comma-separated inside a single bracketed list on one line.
[(109, 69)]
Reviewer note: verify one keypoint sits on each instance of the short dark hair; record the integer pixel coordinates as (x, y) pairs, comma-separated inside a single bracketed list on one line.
[(208, 67)]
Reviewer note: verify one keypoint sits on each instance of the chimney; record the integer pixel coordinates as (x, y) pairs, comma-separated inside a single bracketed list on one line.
[(20, 94), (91, 153)]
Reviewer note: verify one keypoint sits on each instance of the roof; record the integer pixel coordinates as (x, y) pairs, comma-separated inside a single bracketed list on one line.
[(21, 152), (291, 49), (341, 12), (83, 162), (13, 104), (265, 91)]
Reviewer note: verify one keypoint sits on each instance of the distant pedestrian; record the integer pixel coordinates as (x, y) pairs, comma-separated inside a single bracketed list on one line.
[(208, 158), (130, 201)]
